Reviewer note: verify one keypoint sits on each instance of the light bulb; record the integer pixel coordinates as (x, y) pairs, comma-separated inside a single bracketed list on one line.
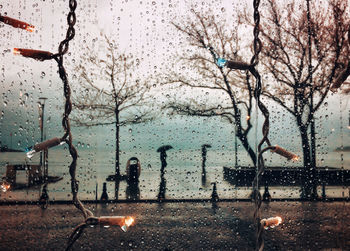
[(5, 186), (271, 222), (123, 221), (127, 223), (283, 152), (17, 24), (221, 62), (42, 146), (35, 54)]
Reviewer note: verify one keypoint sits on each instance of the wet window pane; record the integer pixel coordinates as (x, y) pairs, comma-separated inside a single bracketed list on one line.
[(186, 124)]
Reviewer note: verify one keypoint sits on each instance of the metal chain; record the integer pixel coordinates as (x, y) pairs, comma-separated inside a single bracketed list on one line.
[(67, 137), (75, 235), (265, 129), (257, 42), (257, 46)]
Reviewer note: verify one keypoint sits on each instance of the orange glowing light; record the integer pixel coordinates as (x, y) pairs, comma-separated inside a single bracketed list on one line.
[(129, 220), (5, 186), (248, 117), (271, 222), (123, 221), (295, 158), (30, 28), (16, 51)]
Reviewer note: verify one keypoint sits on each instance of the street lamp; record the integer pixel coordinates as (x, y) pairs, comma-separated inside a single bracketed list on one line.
[(43, 155)]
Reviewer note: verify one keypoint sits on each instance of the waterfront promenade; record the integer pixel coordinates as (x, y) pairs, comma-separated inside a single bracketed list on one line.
[(179, 226)]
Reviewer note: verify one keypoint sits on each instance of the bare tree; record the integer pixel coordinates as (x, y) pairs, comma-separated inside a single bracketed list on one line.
[(304, 52), (110, 93), (231, 92)]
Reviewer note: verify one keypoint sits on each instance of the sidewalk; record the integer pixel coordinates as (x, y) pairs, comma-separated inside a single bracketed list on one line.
[(179, 226)]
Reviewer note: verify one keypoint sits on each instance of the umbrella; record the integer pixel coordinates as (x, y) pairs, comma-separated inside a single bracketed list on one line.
[(164, 148), (206, 146)]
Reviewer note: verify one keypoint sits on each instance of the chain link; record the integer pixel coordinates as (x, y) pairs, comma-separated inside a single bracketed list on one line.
[(257, 42), (67, 137), (257, 45)]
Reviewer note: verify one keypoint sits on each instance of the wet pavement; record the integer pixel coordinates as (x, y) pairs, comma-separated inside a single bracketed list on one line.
[(179, 226)]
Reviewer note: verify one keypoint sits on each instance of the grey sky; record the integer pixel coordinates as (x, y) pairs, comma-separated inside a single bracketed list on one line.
[(138, 27)]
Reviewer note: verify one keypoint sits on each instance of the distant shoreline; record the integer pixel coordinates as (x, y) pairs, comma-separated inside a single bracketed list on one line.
[(345, 149), (5, 149)]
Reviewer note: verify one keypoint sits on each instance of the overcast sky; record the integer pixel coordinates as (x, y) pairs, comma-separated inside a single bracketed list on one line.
[(140, 27)]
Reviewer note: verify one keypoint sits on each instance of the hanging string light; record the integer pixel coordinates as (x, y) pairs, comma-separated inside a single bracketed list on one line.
[(235, 65), (271, 222), (122, 221), (5, 186), (43, 146), (283, 152), (239, 65), (343, 75), (35, 54), (16, 23)]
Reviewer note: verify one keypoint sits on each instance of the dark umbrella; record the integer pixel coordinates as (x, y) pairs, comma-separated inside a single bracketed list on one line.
[(206, 146), (204, 149), (164, 148)]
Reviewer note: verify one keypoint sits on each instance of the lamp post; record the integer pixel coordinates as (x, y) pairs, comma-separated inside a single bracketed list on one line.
[(236, 148), (43, 154)]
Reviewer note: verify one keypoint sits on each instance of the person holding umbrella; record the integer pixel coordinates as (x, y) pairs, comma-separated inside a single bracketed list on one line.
[(162, 150), (162, 186)]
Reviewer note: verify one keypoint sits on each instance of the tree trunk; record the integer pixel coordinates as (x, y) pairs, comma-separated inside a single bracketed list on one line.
[(308, 190), (117, 169), (117, 127), (247, 147)]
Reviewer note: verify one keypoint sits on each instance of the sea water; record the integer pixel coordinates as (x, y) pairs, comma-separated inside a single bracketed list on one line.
[(183, 174)]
